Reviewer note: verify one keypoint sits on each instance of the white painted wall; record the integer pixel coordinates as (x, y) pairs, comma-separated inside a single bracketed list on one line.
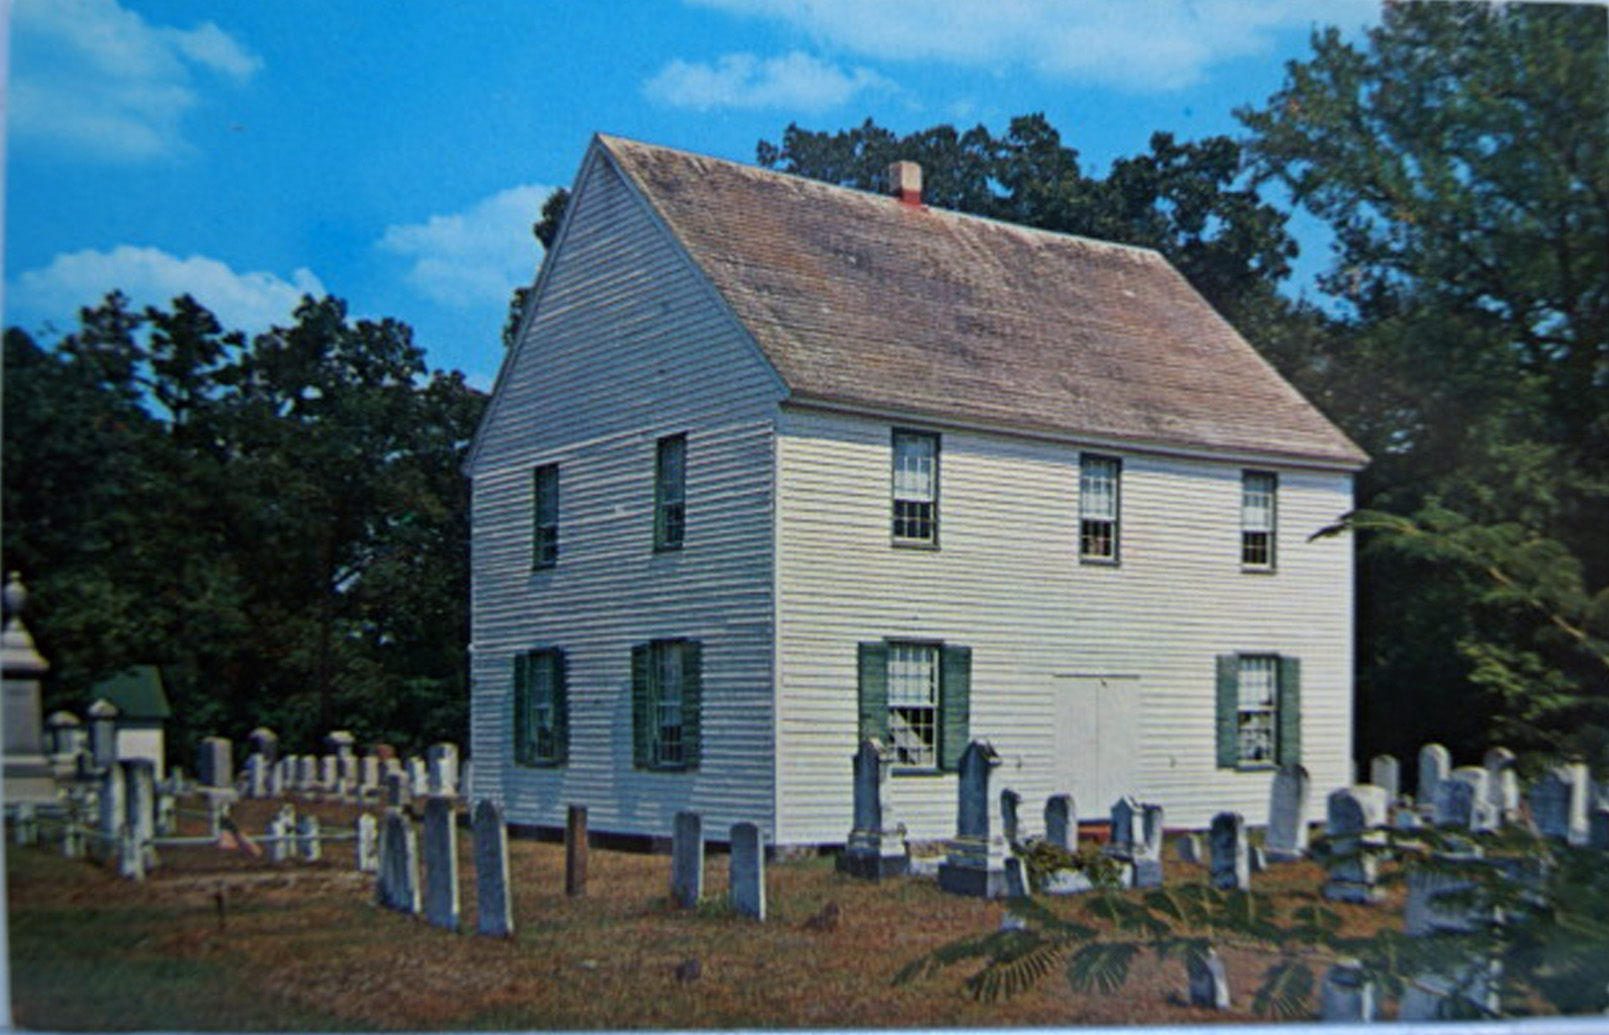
[(628, 345), (147, 743), (1008, 583)]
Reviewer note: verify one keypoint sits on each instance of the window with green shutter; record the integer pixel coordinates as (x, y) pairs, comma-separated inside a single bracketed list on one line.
[(541, 708), (915, 697), (1259, 710), (667, 687)]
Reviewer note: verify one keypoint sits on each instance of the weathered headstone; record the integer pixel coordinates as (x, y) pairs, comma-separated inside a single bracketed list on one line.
[(687, 860), (308, 843), (339, 743), (1016, 879), (1231, 869), (1347, 994), (575, 851), (1209, 982), (494, 906), (1010, 805), (216, 766), (747, 862), (1352, 813), (1598, 828), (113, 812), (1061, 822), (441, 863), (369, 774), (976, 864), (398, 884), (1462, 800), (139, 778), (397, 789), (167, 816), (368, 843), (103, 734), (872, 851), (1435, 907), (1188, 848), (1148, 848), (1558, 802), (64, 736), (443, 769), (265, 742), (1434, 765), (1502, 784), (329, 773), (281, 835), (28, 775), (25, 824), (1287, 814), (306, 773), (1385, 771), (1257, 859), (1125, 817), (256, 783), (418, 777)]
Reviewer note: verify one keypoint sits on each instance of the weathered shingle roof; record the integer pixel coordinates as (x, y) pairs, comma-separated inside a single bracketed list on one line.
[(859, 300)]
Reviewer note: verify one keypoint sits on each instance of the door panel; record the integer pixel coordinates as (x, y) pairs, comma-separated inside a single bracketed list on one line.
[(1097, 736)]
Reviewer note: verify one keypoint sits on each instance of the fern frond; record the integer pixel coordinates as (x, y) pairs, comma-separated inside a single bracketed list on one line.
[(1285, 992), (1016, 968), (1102, 967), (948, 955)]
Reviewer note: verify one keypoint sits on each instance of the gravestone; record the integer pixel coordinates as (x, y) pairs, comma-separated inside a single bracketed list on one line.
[(103, 734), (278, 776), (216, 767), (166, 815), (1598, 828), (1385, 771), (1061, 822), (112, 812), (441, 863), (369, 773), (976, 864), (1257, 859), (687, 860), (339, 743), (1231, 869), (1209, 982), (443, 769), (747, 862), (1347, 995), (494, 906), (64, 742), (368, 844), (1462, 800), (329, 773), (1148, 848), (396, 789), (256, 777), (398, 885), (306, 773), (308, 843), (1287, 814), (1558, 803), (1433, 908), (1502, 784), (281, 835), (1188, 848), (1434, 765), (575, 851), (873, 851), (1016, 879), (28, 775), (418, 777), (139, 779), (1125, 816), (265, 742), (1010, 804), (1351, 813), (25, 824), (130, 859)]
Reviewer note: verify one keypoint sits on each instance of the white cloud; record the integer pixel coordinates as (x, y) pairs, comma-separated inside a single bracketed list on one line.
[(1149, 45), (475, 256), (99, 80), (795, 80), (150, 276)]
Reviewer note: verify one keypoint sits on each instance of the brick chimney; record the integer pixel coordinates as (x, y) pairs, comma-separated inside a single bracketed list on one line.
[(905, 183)]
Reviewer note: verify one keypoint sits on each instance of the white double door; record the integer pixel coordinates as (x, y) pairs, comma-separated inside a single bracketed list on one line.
[(1097, 739)]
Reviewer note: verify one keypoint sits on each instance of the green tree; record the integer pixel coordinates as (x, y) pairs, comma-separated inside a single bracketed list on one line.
[(546, 231)]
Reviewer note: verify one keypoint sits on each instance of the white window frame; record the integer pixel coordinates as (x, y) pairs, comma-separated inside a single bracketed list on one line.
[(1257, 709), (1259, 519), (1100, 503), (914, 469), (915, 717)]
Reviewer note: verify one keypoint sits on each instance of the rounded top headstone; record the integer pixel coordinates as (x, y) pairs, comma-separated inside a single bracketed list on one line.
[(103, 709), (61, 719)]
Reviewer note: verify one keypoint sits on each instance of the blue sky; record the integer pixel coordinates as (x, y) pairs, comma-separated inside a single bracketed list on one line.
[(395, 152)]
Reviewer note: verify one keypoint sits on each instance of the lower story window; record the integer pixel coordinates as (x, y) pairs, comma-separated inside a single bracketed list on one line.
[(541, 706), (913, 703), (667, 682), (915, 699), (1259, 710)]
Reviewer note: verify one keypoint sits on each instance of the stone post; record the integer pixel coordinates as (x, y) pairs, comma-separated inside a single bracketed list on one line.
[(575, 851), (494, 906), (441, 863), (747, 862), (103, 734), (1287, 814), (443, 776), (307, 838), (139, 780), (398, 884), (976, 864), (28, 777), (687, 860), (1231, 869)]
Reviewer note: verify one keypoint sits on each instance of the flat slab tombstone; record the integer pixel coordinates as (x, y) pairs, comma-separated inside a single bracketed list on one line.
[(398, 884), (687, 860), (1231, 865), (1061, 821), (216, 762), (1347, 995), (1010, 824), (1125, 818), (368, 843), (494, 906), (1559, 802), (1463, 800), (1352, 812), (1385, 771), (976, 864), (443, 769), (1288, 814), (441, 863), (1148, 848), (873, 851), (1434, 765), (1502, 784), (1209, 981), (747, 862)]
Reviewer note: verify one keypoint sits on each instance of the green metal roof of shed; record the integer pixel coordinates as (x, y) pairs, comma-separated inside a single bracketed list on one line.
[(136, 692)]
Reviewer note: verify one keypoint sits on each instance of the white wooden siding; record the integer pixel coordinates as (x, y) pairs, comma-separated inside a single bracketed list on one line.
[(627, 345), (1007, 582)]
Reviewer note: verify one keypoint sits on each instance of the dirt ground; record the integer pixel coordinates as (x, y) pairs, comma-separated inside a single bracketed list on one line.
[(222, 940)]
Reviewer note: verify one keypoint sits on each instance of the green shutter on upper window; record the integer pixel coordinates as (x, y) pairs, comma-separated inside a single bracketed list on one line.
[(873, 692), (1228, 711), (561, 709), (692, 702), (523, 748), (1289, 746), (955, 706), (642, 713)]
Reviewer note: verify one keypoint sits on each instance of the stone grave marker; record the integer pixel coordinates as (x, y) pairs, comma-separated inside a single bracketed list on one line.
[(687, 860), (443, 769), (1148, 848), (1347, 995), (368, 844), (441, 863), (1385, 771), (281, 835), (494, 906), (1502, 784), (398, 884), (1287, 814), (1558, 803), (1188, 848), (1010, 805), (265, 742), (872, 851), (1125, 814), (976, 864), (308, 842), (329, 773), (418, 777), (1231, 868), (1463, 800), (1016, 879), (1434, 765), (216, 766), (1430, 911), (256, 777), (747, 862), (112, 812), (1352, 813), (103, 734), (139, 779), (397, 789), (1061, 821), (1209, 981)]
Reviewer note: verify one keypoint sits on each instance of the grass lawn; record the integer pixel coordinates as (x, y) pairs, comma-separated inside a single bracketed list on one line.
[(302, 946)]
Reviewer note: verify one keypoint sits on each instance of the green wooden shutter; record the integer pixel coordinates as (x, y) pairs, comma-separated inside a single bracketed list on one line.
[(523, 747), (1289, 749), (1228, 710), (873, 691), (561, 708), (692, 701), (955, 705), (642, 712)]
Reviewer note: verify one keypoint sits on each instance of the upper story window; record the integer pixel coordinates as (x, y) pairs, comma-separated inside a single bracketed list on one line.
[(916, 487), (1258, 495), (545, 517), (1099, 480), (670, 493)]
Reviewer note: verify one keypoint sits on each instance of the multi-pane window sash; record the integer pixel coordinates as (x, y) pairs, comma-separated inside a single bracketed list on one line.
[(540, 724), (1098, 507), (913, 704), (1257, 718), (541, 711), (916, 487), (670, 493), (1257, 502), (667, 698), (545, 544)]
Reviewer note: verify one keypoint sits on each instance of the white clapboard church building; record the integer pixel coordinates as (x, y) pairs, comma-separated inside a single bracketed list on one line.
[(776, 465)]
